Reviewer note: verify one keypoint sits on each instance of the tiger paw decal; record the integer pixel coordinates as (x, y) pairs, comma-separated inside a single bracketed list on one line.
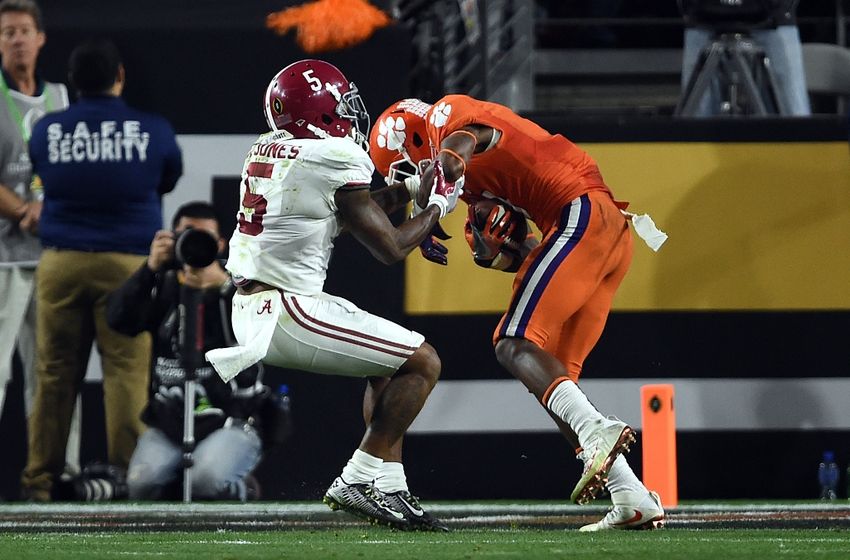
[(440, 114), (391, 133)]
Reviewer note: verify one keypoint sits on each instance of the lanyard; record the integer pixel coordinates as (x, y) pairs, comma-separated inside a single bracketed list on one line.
[(15, 112)]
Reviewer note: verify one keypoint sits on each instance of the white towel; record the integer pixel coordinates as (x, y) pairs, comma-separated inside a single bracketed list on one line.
[(647, 230), (228, 362)]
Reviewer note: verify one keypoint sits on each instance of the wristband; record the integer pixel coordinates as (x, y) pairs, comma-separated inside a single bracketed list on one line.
[(471, 135), (441, 203), (456, 155), (412, 185)]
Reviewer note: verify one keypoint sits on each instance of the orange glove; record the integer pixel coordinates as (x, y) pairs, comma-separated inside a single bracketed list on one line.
[(488, 241)]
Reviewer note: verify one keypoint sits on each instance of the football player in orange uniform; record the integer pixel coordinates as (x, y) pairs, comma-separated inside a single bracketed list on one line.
[(564, 286)]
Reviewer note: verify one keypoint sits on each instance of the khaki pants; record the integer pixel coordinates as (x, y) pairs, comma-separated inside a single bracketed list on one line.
[(71, 292)]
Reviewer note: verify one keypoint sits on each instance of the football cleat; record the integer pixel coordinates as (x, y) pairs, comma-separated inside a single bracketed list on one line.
[(604, 446), (408, 504), (631, 511), (366, 501)]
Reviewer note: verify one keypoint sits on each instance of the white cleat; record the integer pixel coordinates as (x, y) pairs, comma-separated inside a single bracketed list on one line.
[(631, 511), (610, 440)]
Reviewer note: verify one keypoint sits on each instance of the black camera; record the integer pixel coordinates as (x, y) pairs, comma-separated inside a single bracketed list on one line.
[(194, 247)]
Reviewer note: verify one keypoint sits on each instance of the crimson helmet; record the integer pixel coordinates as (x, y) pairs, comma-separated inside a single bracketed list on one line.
[(313, 99), (399, 141)]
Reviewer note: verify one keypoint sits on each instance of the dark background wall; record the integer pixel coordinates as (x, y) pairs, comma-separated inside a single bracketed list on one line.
[(205, 68)]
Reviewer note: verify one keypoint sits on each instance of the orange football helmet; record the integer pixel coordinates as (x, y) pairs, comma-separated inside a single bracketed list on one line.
[(399, 142)]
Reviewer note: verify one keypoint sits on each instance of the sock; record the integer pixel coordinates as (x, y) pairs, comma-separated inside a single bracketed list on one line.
[(621, 477), (391, 478), (569, 404), (361, 468)]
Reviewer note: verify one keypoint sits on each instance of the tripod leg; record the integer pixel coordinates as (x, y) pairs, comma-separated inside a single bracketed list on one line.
[(770, 79), (188, 436), (754, 96), (699, 83)]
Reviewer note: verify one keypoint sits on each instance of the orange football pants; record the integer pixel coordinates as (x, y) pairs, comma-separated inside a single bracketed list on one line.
[(562, 294)]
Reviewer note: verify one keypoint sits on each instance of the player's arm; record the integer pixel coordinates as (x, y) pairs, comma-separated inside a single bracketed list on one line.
[(396, 196), (369, 224), (457, 148), (455, 152)]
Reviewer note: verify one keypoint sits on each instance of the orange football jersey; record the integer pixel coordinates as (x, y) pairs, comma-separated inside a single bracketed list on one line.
[(528, 167)]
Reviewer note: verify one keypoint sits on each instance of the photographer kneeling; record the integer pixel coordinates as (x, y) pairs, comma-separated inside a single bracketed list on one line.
[(226, 415)]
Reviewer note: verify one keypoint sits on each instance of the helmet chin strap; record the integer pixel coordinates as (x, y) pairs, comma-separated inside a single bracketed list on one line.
[(318, 131)]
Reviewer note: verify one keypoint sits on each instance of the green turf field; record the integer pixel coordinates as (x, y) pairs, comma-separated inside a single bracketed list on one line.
[(378, 544)]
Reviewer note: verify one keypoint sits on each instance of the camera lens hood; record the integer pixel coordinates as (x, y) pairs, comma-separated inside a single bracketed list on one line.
[(196, 248)]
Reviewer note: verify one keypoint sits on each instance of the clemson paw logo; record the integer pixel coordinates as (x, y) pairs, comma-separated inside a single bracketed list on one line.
[(391, 133), (440, 114)]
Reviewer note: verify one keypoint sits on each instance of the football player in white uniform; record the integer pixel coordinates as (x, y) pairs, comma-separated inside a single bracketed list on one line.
[(304, 183)]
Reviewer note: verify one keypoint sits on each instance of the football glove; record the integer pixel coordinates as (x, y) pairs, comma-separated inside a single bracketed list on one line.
[(444, 195), (434, 251), (489, 241)]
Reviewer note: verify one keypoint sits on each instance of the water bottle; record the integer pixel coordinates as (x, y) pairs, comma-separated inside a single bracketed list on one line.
[(828, 476)]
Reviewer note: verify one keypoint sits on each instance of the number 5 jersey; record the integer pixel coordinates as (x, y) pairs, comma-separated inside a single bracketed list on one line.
[(287, 220)]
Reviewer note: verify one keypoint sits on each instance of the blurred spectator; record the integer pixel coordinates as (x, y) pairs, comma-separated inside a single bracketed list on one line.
[(104, 167), (27, 97), (227, 415), (772, 26)]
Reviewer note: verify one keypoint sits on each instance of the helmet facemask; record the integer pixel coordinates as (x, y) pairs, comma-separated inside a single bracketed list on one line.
[(350, 106)]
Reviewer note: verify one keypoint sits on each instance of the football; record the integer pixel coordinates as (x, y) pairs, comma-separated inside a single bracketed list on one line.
[(481, 210)]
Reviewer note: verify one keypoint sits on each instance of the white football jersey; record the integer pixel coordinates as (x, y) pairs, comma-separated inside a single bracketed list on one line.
[(287, 216)]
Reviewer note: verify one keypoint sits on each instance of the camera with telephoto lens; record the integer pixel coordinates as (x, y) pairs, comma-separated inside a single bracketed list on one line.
[(194, 247)]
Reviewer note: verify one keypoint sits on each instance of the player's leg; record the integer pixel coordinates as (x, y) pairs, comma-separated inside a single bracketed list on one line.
[(400, 402), (391, 479), (329, 335), (554, 283), (394, 410), (635, 507)]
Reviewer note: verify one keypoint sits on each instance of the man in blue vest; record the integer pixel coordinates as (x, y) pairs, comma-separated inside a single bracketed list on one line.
[(104, 167)]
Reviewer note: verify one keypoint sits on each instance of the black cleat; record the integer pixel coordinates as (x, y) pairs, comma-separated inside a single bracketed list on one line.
[(366, 501), (419, 519)]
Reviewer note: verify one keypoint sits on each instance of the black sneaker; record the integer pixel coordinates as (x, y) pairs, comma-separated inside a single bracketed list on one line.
[(366, 501), (419, 519)]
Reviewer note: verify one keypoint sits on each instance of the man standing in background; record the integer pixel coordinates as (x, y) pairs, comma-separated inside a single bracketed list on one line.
[(26, 98), (104, 167)]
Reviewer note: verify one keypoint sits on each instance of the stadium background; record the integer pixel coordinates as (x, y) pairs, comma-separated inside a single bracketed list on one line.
[(746, 309)]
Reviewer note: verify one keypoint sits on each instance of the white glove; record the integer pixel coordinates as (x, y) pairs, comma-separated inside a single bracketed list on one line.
[(444, 195)]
